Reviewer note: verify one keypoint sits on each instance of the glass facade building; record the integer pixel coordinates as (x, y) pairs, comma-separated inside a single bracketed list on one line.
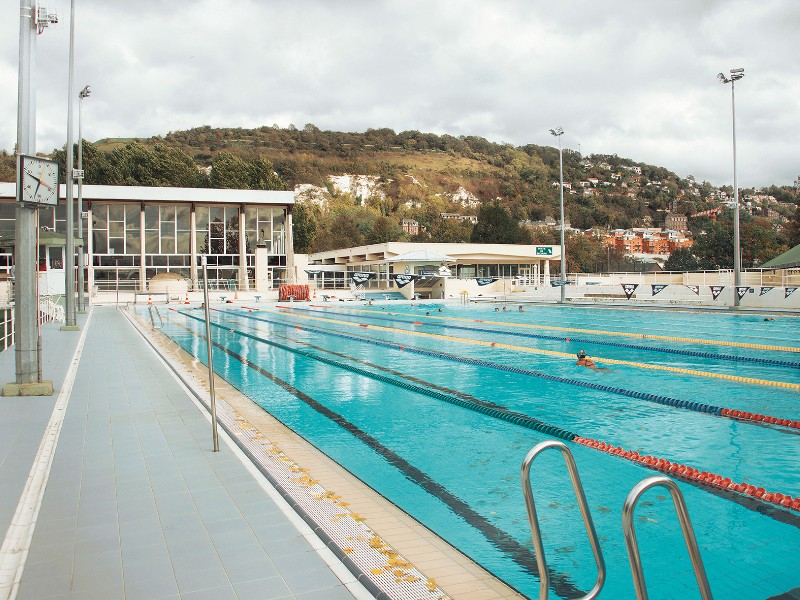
[(133, 233)]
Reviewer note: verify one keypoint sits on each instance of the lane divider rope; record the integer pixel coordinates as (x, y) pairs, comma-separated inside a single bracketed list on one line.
[(611, 361), (657, 398), (658, 464), (670, 338), (693, 353)]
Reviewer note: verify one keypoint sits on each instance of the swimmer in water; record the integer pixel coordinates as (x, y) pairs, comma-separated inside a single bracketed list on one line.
[(585, 361)]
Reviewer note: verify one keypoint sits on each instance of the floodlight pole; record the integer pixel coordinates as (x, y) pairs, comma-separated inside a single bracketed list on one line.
[(558, 132), (84, 93), (25, 251), (27, 341), (735, 75), (69, 259)]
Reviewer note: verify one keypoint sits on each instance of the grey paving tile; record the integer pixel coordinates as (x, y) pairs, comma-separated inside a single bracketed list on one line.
[(339, 592), (99, 593), (151, 588), (305, 572), (217, 593), (199, 576), (247, 563), (272, 588), (97, 570), (44, 579)]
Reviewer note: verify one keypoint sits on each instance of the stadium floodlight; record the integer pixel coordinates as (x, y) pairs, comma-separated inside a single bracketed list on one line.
[(736, 75), (558, 132)]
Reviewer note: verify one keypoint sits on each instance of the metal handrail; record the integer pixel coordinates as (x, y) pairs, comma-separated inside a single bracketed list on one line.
[(150, 308), (686, 526), (544, 576)]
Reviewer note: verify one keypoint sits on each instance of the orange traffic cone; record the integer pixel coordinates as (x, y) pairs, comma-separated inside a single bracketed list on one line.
[(315, 293), (150, 299), (187, 298)]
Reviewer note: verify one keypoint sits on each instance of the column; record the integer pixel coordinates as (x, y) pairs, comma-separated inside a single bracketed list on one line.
[(193, 248), (90, 251), (143, 250), (546, 273), (288, 244), (244, 284)]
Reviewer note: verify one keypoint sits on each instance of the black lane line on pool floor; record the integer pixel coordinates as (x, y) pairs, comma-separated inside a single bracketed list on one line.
[(779, 514), (570, 339), (655, 398), (521, 555)]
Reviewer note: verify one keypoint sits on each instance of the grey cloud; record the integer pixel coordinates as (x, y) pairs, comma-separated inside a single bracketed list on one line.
[(636, 79)]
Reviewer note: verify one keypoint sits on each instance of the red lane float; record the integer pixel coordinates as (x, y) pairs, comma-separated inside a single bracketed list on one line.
[(296, 291), (692, 474), (738, 414)]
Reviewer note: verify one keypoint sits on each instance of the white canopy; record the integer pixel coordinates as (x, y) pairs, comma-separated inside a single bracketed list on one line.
[(422, 256)]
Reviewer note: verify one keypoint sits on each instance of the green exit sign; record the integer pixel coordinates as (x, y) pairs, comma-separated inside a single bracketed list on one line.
[(544, 251)]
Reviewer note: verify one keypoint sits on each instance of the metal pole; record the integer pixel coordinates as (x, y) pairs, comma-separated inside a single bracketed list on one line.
[(81, 300), (210, 357), (116, 261), (737, 267), (561, 196), (69, 259), (26, 303)]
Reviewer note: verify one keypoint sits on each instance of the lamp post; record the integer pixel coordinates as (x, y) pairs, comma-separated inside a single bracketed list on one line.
[(84, 93), (69, 259), (558, 132), (736, 74)]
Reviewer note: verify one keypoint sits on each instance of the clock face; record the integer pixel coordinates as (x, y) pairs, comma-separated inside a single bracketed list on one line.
[(38, 178)]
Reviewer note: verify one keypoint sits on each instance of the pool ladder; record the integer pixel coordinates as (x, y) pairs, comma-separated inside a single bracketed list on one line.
[(627, 526), (158, 314)]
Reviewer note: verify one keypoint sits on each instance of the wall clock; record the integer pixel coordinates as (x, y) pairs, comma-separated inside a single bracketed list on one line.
[(38, 180)]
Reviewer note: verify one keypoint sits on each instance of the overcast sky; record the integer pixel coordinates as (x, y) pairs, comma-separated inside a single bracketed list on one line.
[(637, 79)]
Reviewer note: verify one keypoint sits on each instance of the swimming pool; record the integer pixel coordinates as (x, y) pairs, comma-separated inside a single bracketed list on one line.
[(436, 411)]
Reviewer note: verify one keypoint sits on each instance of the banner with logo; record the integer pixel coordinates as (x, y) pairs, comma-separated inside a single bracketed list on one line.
[(741, 290), (789, 291), (629, 288), (403, 279), (694, 288), (485, 280), (361, 277), (764, 290), (657, 287), (716, 290)]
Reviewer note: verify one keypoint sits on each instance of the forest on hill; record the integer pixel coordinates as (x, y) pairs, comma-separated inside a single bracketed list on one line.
[(356, 188)]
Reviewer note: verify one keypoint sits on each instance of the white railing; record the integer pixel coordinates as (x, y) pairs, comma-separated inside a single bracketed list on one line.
[(6, 327), (50, 311)]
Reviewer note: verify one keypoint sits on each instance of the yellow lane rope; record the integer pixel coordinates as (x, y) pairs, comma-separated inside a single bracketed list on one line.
[(611, 361), (592, 331)]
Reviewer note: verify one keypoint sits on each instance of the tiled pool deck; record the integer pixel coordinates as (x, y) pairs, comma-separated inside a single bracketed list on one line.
[(138, 506)]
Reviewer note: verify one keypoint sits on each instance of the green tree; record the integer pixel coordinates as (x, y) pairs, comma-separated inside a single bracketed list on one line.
[(451, 231), (495, 226), (304, 227), (341, 232), (383, 230), (229, 172), (681, 259), (714, 246), (792, 229)]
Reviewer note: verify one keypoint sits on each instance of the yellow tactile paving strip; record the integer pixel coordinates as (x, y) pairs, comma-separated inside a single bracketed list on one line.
[(406, 545)]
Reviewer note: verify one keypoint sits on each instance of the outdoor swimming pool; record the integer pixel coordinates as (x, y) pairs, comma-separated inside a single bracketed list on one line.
[(436, 410)]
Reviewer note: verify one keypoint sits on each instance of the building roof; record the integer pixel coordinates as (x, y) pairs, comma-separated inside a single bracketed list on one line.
[(456, 252), (426, 255), (787, 260), (124, 193)]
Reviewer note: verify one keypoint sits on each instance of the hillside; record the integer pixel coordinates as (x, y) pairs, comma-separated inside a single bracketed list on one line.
[(359, 187)]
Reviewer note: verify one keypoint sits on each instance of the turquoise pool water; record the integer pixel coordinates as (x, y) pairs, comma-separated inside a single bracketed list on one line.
[(382, 390)]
